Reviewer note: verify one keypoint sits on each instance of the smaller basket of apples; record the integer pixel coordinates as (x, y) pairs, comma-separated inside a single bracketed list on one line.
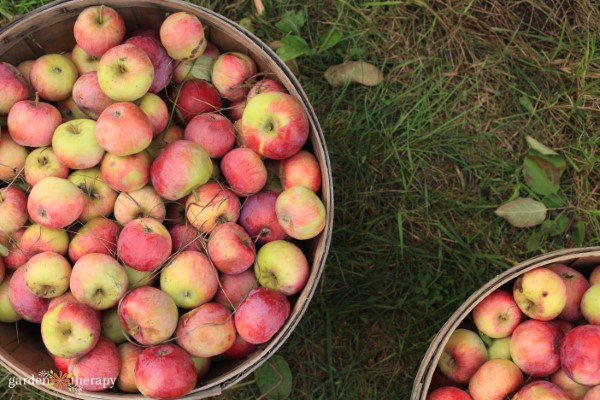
[(533, 332)]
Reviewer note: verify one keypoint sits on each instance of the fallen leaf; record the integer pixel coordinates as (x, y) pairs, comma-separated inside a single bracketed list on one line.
[(276, 44), (354, 71), (535, 145), (274, 379), (260, 7), (523, 212)]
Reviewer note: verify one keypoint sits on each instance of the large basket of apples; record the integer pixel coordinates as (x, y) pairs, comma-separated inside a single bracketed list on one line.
[(532, 332), (166, 200)]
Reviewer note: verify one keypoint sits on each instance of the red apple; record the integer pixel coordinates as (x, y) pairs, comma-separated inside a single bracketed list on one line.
[(156, 110), (259, 218), (195, 97), (213, 132), (576, 284), (239, 349), (141, 203), (12, 157), (27, 305), (89, 97), (244, 171), (497, 315), (593, 394), (32, 123), (301, 169), (534, 347), (580, 354), (128, 353), (13, 209), (98, 235), (185, 237), (123, 129), (265, 86), (230, 248), (55, 202), (463, 354), (144, 244), (300, 212), (98, 369), (572, 389), (98, 28), (261, 315), (540, 390), (236, 109), (14, 87), (448, 393), (99, 197), (235, 288)]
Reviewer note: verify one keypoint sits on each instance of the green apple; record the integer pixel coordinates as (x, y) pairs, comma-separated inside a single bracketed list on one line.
[(99, 197), (111, 327), (75, 145), (125, 73), (53, 77), (47, 274), (7, 312), (500, 348), (281, 265)]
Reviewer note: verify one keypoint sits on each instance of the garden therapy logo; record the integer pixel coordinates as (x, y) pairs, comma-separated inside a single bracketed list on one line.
[(54, 380)]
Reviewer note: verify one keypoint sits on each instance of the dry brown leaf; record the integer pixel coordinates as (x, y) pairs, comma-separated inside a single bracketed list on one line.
[(354, 71), (260, 8)]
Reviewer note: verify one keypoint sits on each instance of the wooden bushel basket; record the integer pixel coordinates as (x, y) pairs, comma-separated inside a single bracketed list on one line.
[(583, 259), (49, 29)]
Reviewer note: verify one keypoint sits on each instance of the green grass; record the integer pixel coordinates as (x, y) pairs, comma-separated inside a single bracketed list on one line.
[(421, 162)]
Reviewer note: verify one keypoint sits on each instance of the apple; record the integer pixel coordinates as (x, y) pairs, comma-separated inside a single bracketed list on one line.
[(190, 279), (165, 371), (47, 274), (210, 205), (55, 202), (236, 109), (98, 280), (463, 354), (230, 248), (156, 110), (12, 157), (140, 278), (41, 163), (589, 304), (206, 331), (14, 87), (213, 132), (274, 125), (69, 110), (259, 219), (576, 284), (32, 123), (233, 74), (300, 212), (497, 315), (98, 235), (540, 293), (16, 256), (125, 72), (235, 288), (239, 349), (98, 369), (540, 390), (572, 389), (580, 354), (301, 169), (195, 97), (261, 315), (75, 144), (160, 142), (13, 209), (70, 330), (111, 326), (24, 68), (148, 315), (198, 68), (141, 203), (593, 394), (53, 76), (89, 97), (98, 29), (534, 347), (185, 237), (84, 61), (265, 86), (7, 311), (99, 197), (500, 348), (448, 393), (182, 35), (144, 244), (180, 168), (202, 365), (282, 266), (126, 173), (27, 305), (495, 380), (162, 63), (38, 239), (62, 364), (123, 129), (244, 171), (128, 353)]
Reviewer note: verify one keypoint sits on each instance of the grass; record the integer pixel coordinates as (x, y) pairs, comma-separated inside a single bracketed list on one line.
[(421, 162)]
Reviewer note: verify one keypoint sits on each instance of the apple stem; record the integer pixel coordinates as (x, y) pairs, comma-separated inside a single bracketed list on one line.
[(37, 98), (101, 15)]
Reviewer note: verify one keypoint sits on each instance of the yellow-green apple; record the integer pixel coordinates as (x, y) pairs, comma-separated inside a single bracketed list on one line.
[(190, 279), (140, 278), (111, 326), (300, 212), (282, 265), (182, 35), (202, 365), (235, 288), (123, 129), (462, 356), (259, 218), (97, 370), (180, 168), (198, 68), (32, 122), (230, 248), (7, 311), (185, 237), (497, 315), (500, 348), (244, 170), (301, 169), (127, 173), (53, 76), (213, 132), (125, 73), (160, 142), (89, 97), (141, 203), (128, 353), (144, 244), (38, 239), (47, 274), (97, 29), (99, 197), (162, 63), (206, 331), (16, 256), (43, 162), (12, 157), (148, 315), (84, 61), (14, 87), (593, 393), (156, 110), (55, 202), (98, 280), (540, 293), (75, 144), (534, 347), (572, 389), (261, 315), (98, 235), (70, 329), (540, 390), (233, 74), (235, 111), (70, 110), (165, 371), (27, 305), (590, 304), (265, 86), (239, 349), (580, 354), (275, 125), (448, 393), (576, 284), (495, 380), (211, 204), (195, 97), (13, 209)]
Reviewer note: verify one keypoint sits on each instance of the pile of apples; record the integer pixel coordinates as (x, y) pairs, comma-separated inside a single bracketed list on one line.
[(155, 195), (542, 341)]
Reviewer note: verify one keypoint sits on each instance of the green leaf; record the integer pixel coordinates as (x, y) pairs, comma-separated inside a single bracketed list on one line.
[(291, 22), (246, 23), (274, 378), (293, 46), (329, 39), (553, 200), (542, 172), (524, 101), (535, 145), (578, 233), (535, 241), (3, 251), (561, 223), (523, 212)]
